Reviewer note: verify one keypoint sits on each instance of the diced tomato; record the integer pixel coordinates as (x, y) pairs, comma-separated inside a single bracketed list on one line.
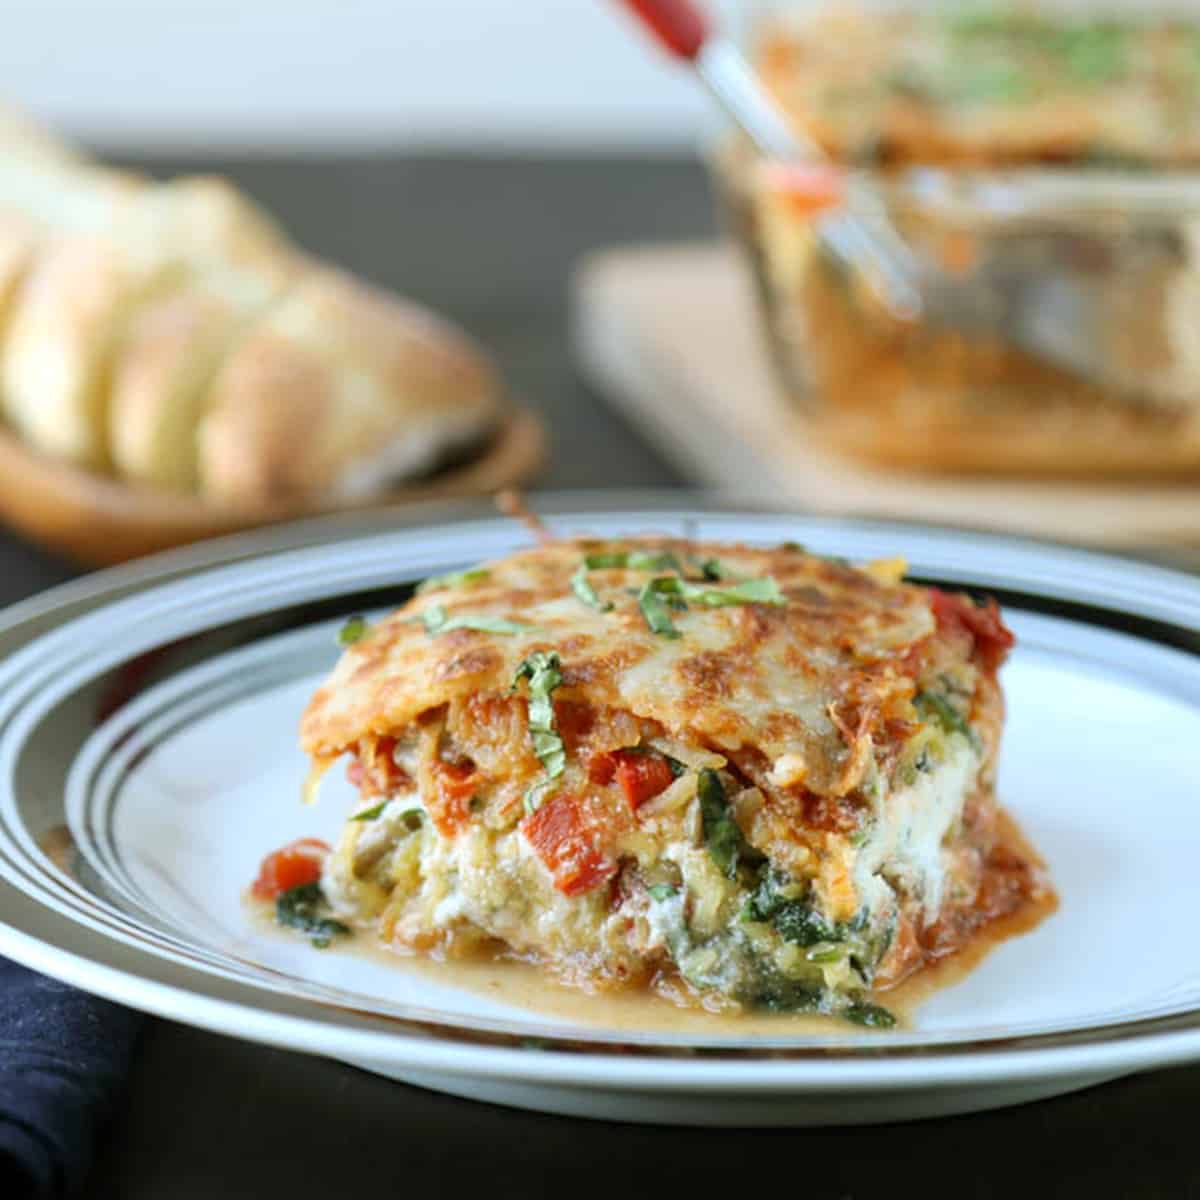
[(570, 842), (993, 639), (295, 865), (573, 721), (450, 806), (601, 768), (375, 771), (642, 776)]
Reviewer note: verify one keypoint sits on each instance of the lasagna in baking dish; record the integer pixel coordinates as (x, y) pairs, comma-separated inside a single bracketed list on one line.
[(741, 776), (988, 84)]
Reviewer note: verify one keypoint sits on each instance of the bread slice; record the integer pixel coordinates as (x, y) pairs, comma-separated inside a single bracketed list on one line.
[(204, 221), (22, 138), (340, 389), (18, 239), (68, 314), (169, 331), (165, 364), (86, 289)]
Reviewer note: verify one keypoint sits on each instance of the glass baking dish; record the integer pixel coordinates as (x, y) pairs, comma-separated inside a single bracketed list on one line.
[(1075, 290)]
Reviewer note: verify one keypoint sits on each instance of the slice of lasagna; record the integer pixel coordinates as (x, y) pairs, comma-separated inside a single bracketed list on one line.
[(741, 776)]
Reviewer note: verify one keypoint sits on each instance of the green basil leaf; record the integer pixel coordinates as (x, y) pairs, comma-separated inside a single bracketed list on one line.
[(657, 594), (748, 591), (369, 814), (453, 579), (632, 560), (650, 601), (536, 794), (543, 670), (438, 621), (662, 891), (582, 587), (713, 569), (354, 630)]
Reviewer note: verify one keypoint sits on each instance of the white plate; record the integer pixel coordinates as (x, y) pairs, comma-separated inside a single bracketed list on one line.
[(155, 719)]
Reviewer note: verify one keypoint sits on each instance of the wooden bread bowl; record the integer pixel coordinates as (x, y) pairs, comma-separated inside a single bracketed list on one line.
[(99, 520)]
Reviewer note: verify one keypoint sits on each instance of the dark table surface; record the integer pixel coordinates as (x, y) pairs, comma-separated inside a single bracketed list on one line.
[(491, 242)]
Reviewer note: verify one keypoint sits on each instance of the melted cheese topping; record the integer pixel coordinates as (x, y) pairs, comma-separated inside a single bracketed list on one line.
[(805, 681)]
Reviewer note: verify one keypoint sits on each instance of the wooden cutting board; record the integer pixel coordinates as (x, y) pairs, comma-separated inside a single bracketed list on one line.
[(670, 334)]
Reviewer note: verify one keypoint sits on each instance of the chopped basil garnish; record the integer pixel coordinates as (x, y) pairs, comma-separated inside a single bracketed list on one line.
[(369, 814), (302, 908), (538, 792), (438, 621), (713, 569), (722, 835), (662, 891), (672, 591), (748, 591), (658, 593), (543, 670), (355, 629), (650, 601), (581, 586), (936, 707), (454, 579), (632, 560)]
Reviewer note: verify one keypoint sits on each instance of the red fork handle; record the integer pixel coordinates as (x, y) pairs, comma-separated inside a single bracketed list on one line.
[(677, 24)]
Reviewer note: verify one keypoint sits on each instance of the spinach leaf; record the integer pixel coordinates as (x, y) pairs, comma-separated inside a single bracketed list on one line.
[(722, 835), (302, 908), (873, 1016), (794, 920), (778, 995), (935, 707)]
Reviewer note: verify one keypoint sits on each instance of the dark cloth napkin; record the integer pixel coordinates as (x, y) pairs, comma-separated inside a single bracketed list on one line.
[(64, 1056)]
